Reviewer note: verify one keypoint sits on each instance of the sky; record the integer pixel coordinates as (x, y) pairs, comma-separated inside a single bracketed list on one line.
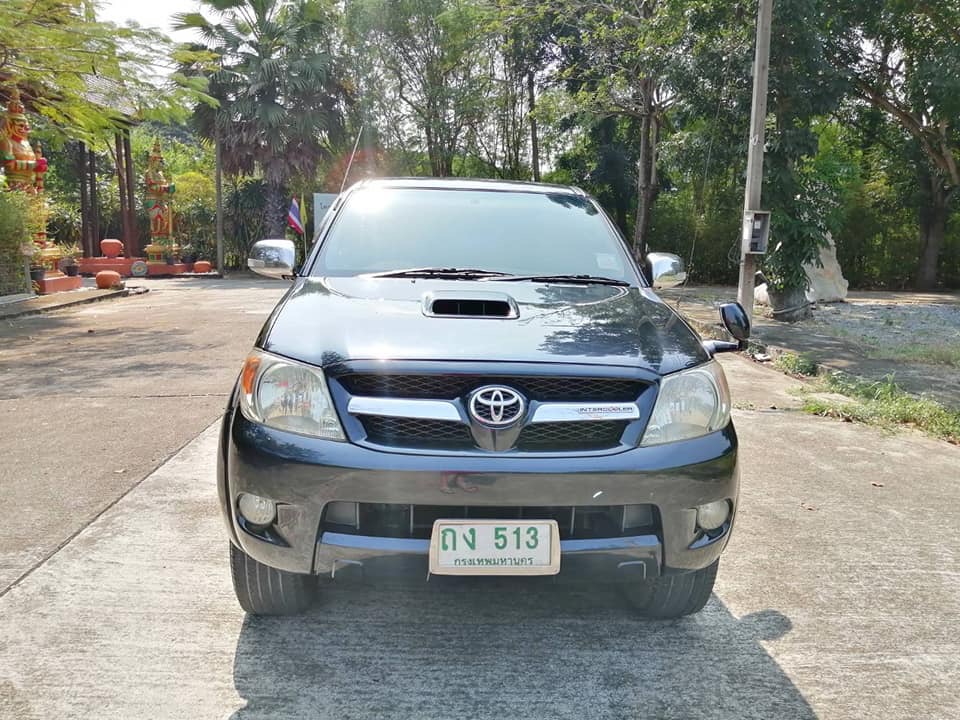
[(148, 13)]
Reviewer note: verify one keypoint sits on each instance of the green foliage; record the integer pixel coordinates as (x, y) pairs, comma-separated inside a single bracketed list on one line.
[(803, 87), (884, 403), (947, 354), (877, 242), (429, 64), (64, 223), (903, 60), (84, 75), (874, 178), (195, 212), (244, 205), (708, 240), (440, 87), (183, 150), (70, 251), (16, 241), (796, 364), (601, 162), (193, 187), (272, 66)]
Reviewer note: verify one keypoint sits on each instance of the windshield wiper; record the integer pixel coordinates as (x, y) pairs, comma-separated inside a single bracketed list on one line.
[(450, 273), (572, 279)]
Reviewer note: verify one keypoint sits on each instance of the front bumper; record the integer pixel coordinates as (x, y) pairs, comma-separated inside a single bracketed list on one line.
[(304, 474), (636, 557)]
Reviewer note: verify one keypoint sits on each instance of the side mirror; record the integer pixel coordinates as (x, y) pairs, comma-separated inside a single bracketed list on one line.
[(273, 258), (735, 320), (665, 270)]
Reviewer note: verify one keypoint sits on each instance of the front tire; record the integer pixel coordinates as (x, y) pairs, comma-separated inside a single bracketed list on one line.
[(263, 590), (673, 596)]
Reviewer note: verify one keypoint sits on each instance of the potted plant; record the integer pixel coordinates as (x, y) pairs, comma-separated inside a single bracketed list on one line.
[(37, 269), (188, 254), (169, 251), (68, 263)]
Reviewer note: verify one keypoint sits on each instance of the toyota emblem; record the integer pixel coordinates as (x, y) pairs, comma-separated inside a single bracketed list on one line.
[(496, 406)]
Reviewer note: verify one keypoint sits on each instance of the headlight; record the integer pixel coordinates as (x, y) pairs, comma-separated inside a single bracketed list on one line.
[(288, 395), (690, 404)]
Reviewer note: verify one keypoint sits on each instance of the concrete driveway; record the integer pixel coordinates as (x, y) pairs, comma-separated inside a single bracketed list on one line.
[(839, 597), (93, 398)]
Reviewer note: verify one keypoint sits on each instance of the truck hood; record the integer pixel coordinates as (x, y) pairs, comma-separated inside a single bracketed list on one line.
[(323, 321)]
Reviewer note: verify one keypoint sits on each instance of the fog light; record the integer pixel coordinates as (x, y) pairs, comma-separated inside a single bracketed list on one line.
[(713, 515), (257, 510)]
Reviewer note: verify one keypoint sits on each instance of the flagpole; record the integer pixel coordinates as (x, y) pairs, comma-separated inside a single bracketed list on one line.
[(303, 222), (299, 227)]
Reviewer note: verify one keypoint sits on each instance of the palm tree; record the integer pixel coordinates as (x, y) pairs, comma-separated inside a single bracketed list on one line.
[(271, 65)]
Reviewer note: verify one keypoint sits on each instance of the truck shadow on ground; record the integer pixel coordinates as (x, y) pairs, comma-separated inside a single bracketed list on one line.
[(510, 648)]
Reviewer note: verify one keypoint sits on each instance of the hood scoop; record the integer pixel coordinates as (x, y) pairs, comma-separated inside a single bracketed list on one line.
[(476, 304)]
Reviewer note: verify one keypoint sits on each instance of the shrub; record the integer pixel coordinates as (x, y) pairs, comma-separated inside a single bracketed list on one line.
[(17, 228)]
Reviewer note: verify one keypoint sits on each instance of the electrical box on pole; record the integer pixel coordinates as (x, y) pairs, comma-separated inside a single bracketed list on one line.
[(756, 232)]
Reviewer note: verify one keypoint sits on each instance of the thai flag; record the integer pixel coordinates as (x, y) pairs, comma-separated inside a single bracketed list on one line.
[(293, 217)]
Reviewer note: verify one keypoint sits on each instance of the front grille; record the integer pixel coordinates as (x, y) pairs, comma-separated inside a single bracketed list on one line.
[(417, 433), (449, 387), (575, 522), (566, 436), (442, 435)]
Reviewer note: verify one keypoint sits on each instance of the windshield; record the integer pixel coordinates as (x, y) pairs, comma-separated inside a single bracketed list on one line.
[(384, 229)]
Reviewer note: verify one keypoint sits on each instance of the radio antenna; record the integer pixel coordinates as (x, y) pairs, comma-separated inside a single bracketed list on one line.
[(350, 164)]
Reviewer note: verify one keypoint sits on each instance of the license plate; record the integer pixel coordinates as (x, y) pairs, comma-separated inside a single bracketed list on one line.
[(495, 547)]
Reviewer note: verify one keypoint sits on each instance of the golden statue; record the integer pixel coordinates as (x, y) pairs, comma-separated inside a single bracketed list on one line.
[(159, 209), (23, 166)]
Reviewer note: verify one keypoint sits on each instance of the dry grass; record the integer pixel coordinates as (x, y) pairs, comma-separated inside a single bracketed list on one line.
[(931, 354)]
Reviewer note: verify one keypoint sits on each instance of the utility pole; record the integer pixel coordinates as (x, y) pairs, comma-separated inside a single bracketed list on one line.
[(758, 119)]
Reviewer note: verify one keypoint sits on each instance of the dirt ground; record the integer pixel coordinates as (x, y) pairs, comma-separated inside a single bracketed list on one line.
[(913, 337)]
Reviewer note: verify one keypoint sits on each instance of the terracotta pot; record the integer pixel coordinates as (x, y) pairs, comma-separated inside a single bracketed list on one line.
[(201, 266), (111, 248), (106, 279)]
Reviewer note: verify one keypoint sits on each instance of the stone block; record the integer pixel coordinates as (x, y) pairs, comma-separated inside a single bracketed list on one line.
[(827, 283)]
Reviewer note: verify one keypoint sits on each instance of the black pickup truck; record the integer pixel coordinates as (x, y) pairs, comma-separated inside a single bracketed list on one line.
[(475, 377)]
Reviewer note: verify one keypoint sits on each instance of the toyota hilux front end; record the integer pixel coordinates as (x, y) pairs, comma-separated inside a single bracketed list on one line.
[(475, 378)]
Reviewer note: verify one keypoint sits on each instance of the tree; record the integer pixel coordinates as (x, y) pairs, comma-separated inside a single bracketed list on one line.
[(636, 60), (429, 62), (272, 67), (602, 160), (615, 59), (903, 58), (528, 46), (85, 75)]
